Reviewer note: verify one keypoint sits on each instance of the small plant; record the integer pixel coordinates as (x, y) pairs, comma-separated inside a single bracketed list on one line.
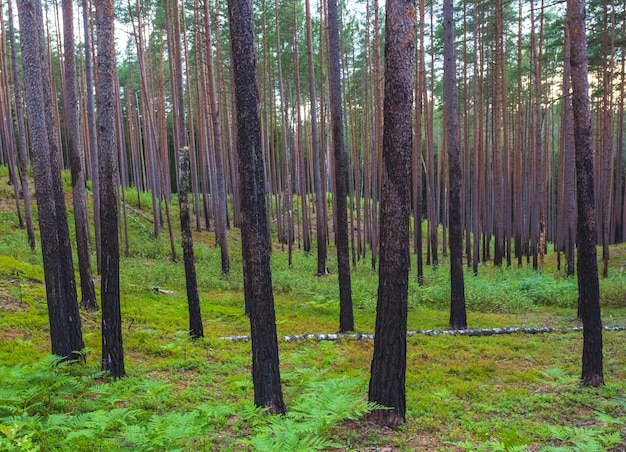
[(307, 425)]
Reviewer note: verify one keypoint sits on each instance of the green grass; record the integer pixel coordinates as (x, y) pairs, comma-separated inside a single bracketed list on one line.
[(515, 392)]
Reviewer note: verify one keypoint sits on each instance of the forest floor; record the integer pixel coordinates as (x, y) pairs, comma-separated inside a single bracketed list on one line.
[(498, 393)]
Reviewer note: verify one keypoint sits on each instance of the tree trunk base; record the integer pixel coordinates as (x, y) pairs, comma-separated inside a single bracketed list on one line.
[(386, 418), (593, 381)]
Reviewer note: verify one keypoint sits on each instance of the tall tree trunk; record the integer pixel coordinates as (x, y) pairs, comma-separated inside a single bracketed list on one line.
[(377, 134), (569, 163), (458, 316), (22, 156), (607, 135), (81, 220), (287, 219), (148, 124), (476, 196), (91, 127), (191, 282), (320, 192), (346, 319), (431, 182), (588, 285), (298, 145), (418, 157), (112, 348), (498, 189), (220, 182), (538, 221), (388, 372), (255, 243), (65, 325)]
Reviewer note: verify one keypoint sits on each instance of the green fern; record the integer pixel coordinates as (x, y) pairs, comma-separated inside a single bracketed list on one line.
[(576, 439), (490, 446), (307, 425)]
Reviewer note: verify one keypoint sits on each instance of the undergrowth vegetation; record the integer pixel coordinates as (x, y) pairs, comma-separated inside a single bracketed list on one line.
[(498, 393)]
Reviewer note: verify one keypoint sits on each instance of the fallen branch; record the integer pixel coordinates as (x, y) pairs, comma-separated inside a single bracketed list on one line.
[(473, 332)]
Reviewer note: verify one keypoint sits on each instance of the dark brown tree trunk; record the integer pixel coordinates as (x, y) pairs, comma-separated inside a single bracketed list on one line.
[(538, 218), (346, 319), (287, 218), (433, 223), (255, 243), (81, 220), (220, 182), (8, 146), (65, 325), (91, 127), (620, 235), (569, 164), (418, 154), (377, 143), (476, 197), (230, 168), (193, 300), (498, 188), (320, 197), (458, 316), (588, 285), (22, 156), (388, 372), (607, 137), (112, 349), (299, 147)]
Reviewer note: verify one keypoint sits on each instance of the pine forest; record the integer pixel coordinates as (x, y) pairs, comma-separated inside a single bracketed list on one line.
[(295, 225)]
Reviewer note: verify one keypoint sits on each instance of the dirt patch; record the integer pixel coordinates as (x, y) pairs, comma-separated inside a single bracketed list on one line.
[(8, 303), (382, 439)]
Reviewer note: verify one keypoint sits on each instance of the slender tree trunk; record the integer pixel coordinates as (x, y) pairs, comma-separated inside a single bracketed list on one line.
[(477, 151), (65, 325), (498, 190), (388, 371), (377, 134), (255, 243), (91, 127), (220, 182), (7, 135), (569, 163), (22, 157), (458, 316), (193, 300), (320, 197), (431, 182), (607, 136), (298, 145), (287, 219), (112, 348), (81, 220), (346, 319), (588, 285), (418, 157)]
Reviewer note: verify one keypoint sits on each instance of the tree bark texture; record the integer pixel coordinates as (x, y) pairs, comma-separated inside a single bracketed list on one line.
[(22, 156), (255, 241), (458, 316), (91, 126), (388, 371), (221, 217), (65, 326), (193, 300), (320, 198), (346, 319), (112, 348), (588, 285), (70, 107)]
